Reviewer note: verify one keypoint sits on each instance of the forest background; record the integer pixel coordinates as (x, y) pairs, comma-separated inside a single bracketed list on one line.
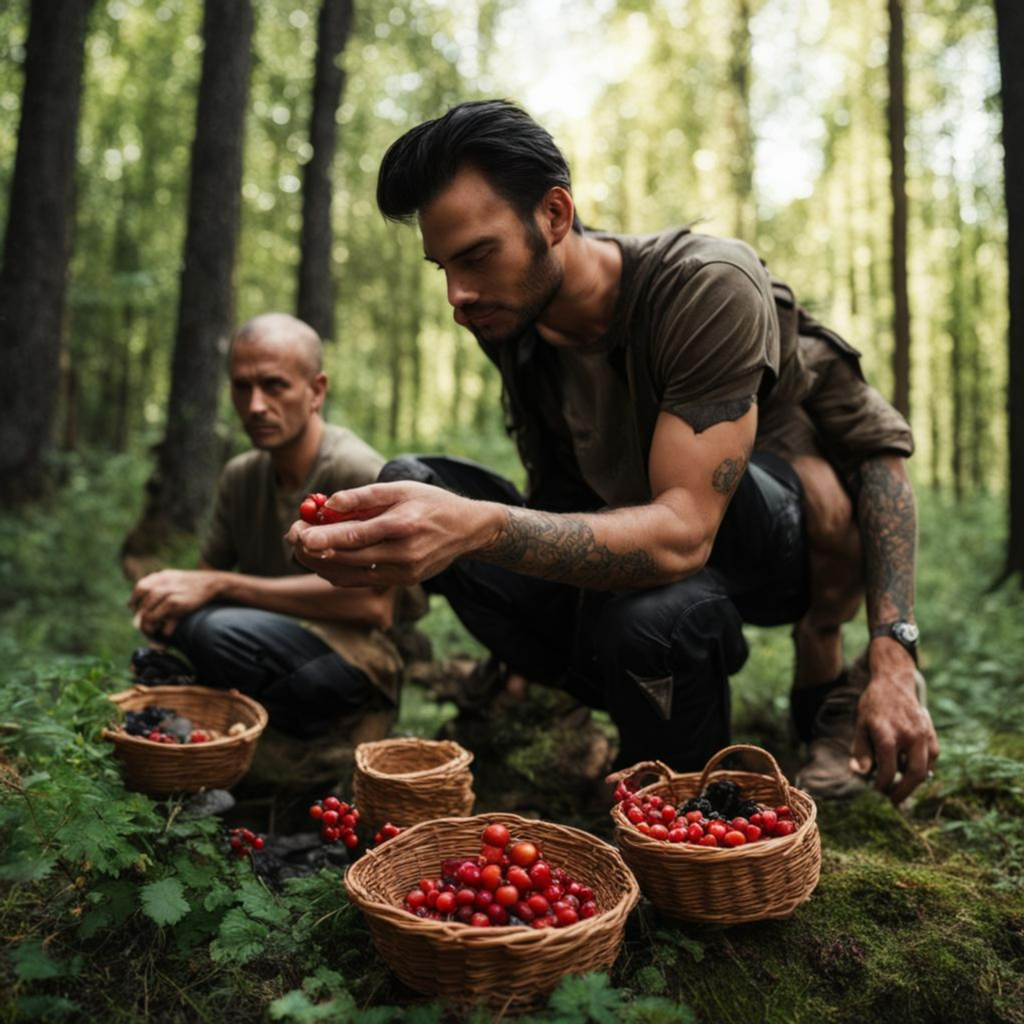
[(169, 169)]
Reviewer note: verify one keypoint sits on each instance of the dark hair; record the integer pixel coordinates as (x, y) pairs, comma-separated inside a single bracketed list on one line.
[(517, 156)]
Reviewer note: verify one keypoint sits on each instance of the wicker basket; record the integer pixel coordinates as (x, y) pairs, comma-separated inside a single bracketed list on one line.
[(691, 883), (162, 769), (503, 965), (407, 780)]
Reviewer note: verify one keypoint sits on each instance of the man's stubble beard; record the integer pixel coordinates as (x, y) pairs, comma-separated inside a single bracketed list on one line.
[(541, 283)]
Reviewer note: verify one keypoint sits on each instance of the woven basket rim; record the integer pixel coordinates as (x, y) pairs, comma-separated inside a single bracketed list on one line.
[(460, 759), (178, 750), (495, 935)]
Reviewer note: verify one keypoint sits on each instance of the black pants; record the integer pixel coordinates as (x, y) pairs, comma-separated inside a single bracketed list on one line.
[(658, 660), (303, 684)]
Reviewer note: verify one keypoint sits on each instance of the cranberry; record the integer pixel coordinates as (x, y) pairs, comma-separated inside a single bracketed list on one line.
[(538, 904), (588, 909), (506, 896), (480, 920), (496, 835), (523, 854), (540, 875), (566, 916), (734, 838), (469, 873), (446, 903), (465, 896), (708, 840), (484, 900), (659, 832)]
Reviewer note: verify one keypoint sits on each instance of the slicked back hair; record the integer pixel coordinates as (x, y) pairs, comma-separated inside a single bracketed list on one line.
[(503, 142)]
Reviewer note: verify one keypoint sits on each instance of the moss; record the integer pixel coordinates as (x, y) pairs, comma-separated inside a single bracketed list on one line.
[(869, 822)]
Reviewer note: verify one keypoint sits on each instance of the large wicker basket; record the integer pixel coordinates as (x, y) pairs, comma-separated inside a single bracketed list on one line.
[(163, 769), (687, 882), (407, 780), (499, 966)]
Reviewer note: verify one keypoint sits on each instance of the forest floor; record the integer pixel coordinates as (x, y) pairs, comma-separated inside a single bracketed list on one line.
[(117, 908)]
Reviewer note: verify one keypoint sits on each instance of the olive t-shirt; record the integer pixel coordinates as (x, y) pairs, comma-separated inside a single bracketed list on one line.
[(705, 309), (253, 513)]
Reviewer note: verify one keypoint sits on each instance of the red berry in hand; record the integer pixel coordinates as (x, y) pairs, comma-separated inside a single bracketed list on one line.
[(308, 510), (496, 835)]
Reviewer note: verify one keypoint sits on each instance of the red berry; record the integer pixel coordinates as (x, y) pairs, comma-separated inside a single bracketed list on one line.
[(523, 911), (523, 854), (308, 510), (668, 814), (586, 894), (756, 819), (708, 840), (540, 923), (734, 838), (498, 914), (739, 823), (540, 875), (332, 803), (469, 873), (496, 835), (446, 903), (784, 828), (566, 916), (236, 843), (416, 898), (553, 893), (717, 829), (350, 839), (329, 818), (480, 920), (465, 914), (427, 885), (588, 909), (655, 801), (465, 896), (483, 900), (769, 820), (695, 832), (331, 834), (783, 811), (316, 812), (388, 830), (492, 855), (643, 827), (537, 903), (349, 822), (519, 878), (659, 832), (693, 816), (491, 877), (506, 896), (753, 833), (258, 844), (635, 814)]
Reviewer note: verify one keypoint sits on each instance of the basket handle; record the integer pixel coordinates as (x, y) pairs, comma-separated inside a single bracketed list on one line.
[(781, 783), (136, 688), (654, 768)]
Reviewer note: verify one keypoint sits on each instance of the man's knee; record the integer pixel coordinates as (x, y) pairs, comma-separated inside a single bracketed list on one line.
[(829, 512), (666, 630)]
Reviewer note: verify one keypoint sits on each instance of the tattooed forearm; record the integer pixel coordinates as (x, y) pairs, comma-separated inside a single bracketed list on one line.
[(886, 512), (559, 547)]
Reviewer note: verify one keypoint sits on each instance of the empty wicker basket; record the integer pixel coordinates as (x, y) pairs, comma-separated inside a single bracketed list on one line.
[(503, 965), (687, 882), (162, 769), (407, 780)]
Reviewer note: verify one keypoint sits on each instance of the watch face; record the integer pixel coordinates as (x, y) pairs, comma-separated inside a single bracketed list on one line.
[(906, 633)]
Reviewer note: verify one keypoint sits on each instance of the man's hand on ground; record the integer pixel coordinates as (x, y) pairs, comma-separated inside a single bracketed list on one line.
[(892, 724), (161, 599), (422, 531)]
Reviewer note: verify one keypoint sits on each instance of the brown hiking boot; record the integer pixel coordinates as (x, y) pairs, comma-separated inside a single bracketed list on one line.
[(827, 772)]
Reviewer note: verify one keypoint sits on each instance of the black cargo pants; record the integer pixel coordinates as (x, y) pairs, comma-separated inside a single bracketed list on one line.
[(657, 660)]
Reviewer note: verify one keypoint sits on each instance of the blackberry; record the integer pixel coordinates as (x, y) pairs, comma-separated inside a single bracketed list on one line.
[(714, 816), (724, 795), (704, 806), (692, 805), (747, 809)]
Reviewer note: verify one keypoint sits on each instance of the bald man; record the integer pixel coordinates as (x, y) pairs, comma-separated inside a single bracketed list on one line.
[(250, 617)]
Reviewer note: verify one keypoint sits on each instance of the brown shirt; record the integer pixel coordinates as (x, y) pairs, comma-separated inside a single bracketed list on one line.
[(705, 309), (253, 514)]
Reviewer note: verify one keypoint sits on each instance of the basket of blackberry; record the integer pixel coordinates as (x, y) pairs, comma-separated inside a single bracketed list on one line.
[(718, 846), (173, 739)]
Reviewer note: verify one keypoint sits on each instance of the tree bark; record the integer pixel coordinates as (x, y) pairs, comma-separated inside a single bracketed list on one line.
[(742, 158), (899, 223), (1009, 33), (188, 463), (316, 300), (37, 244)]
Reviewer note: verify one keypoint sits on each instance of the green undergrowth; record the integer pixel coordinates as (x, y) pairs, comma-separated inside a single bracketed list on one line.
[(117, 908)]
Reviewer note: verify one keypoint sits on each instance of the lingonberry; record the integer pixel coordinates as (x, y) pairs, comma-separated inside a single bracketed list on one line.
[(540, 875), (491, 877), (495, 835), (734, 838), (784, 827), (708, 840), (523, 854)]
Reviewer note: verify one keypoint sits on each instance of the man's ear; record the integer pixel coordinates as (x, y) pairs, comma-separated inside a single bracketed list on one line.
[(557, 213), (319, 386)]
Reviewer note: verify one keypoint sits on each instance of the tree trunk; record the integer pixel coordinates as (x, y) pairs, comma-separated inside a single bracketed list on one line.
[(742, 158), (959, 328), (37, 244), (1009, 33), (315, 303), (181, 487), (899, 224)]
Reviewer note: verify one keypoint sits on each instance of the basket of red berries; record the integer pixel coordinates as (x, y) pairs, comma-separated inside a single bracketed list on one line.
[(176, 739), (409, 780), (726, 846), (493, 908)]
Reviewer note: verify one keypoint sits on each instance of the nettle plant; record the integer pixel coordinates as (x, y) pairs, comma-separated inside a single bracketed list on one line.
[(90, 857)]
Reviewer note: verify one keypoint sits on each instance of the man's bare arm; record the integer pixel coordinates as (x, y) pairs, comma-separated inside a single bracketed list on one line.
[(426, 528), (886, 512)]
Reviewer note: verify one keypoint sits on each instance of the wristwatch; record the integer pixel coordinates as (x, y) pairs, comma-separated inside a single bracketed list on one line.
[(905, 634)]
